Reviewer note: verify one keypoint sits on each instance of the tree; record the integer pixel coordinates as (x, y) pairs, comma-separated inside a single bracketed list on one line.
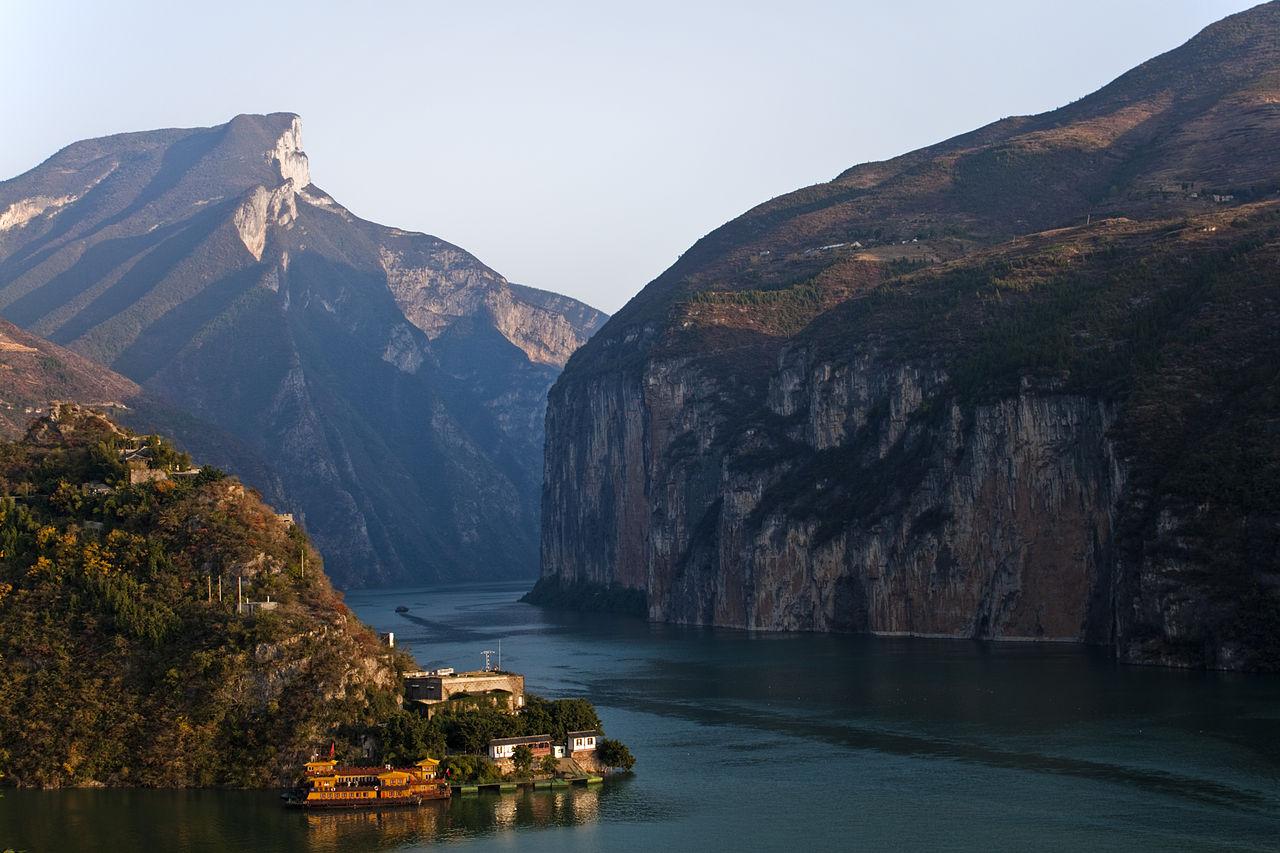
[(523, 759), (535, 718), (209, 474), (468, 768), (613, 753), (550, 765), (469, 730), (573, 715), (556, 718), (408, 737)]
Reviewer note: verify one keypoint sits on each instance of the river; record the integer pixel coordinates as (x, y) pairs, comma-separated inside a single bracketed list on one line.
[(792, 742)]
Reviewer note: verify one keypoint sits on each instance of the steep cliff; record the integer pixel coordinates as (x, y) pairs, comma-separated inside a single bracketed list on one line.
[(1022, 384), (394, 385)]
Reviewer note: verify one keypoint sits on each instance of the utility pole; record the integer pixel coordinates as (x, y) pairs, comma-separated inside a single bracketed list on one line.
[(219, 589), (208, 593), (239, 593), (304, 562)]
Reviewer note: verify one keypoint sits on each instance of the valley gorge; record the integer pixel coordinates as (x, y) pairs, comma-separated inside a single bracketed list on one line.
[(1023, 384), (926, 461)]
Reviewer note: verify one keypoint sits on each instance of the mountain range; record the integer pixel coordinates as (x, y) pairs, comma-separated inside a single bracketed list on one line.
[(1024, 383), (384, 385)]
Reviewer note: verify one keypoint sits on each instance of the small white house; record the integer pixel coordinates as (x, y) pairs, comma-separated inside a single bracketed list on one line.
[(581, 741), (505, 747)]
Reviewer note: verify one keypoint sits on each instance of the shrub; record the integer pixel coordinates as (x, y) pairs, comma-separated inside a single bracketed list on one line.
[(471, 769), (614, 754), (523, 759)]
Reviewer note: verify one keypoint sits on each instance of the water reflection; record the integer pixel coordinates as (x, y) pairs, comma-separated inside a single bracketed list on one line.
[(485, 814), (241, 820), (845, 742), (463, 817), (392, 828)]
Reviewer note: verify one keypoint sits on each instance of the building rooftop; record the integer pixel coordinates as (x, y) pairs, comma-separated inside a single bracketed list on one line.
[(475, 673), (507, 741)]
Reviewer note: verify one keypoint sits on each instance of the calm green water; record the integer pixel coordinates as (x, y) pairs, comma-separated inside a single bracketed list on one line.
[(781, 742)]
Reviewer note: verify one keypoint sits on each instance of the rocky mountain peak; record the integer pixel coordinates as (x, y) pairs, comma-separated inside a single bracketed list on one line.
[(289, 157), (389, 384)]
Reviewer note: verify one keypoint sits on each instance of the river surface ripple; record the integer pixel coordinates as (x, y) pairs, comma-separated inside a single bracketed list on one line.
[(792, 742)]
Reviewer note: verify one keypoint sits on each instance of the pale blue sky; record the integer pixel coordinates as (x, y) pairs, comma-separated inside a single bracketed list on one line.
[(569, 145)]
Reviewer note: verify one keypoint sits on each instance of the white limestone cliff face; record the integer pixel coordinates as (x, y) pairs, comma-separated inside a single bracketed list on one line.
[(991, 520), (403, 350), (290, 158), (545, 335), (261, 208), (445, 285), (278, 205), (21, 212), (437, 290)]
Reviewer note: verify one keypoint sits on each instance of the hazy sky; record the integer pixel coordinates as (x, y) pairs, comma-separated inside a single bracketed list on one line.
[(570, 146)]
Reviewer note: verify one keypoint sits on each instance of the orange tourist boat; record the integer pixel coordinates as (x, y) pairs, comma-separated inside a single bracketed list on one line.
[(326, 785)]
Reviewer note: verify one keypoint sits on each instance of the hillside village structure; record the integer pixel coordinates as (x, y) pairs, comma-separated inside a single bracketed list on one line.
[(429, 689), (505, 747), (579, 746), (579, 742), (139, 461)]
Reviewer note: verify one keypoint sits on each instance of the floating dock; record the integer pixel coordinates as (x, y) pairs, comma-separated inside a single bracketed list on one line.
[(531, 785)]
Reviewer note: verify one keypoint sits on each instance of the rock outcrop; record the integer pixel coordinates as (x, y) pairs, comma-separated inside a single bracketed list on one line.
[(1012, 386)]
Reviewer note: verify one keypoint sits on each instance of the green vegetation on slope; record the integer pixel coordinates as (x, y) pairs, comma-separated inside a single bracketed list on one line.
[(118, 663), (1171, 323), (408, 736)]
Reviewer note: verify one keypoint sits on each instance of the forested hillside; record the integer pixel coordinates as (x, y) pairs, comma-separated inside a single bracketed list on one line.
[(120, 661)]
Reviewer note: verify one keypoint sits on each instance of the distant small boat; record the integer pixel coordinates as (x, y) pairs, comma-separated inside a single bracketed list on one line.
[(402, 609)]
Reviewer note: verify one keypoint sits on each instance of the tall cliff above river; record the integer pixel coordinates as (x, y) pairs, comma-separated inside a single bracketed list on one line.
[(1022, 384), (384, 385)]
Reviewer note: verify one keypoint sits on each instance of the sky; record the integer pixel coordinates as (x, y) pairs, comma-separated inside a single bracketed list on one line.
[(574, 146)]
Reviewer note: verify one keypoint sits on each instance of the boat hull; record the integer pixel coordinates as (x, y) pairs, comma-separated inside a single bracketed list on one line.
[(364, 805)]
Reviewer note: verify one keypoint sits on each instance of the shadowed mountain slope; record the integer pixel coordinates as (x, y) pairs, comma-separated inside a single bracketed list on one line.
[(393, 384), (1021, 384)]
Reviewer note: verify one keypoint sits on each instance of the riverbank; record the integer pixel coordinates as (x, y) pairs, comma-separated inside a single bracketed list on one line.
[(937, 744), (547, 784)]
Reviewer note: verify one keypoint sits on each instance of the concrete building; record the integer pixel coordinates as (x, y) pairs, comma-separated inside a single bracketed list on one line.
[(504, 748), (427, 690), (580, 742), (253, 608), (143, 474)]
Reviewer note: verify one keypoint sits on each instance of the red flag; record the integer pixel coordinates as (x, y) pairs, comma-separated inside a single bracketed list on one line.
[(331, 749)]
